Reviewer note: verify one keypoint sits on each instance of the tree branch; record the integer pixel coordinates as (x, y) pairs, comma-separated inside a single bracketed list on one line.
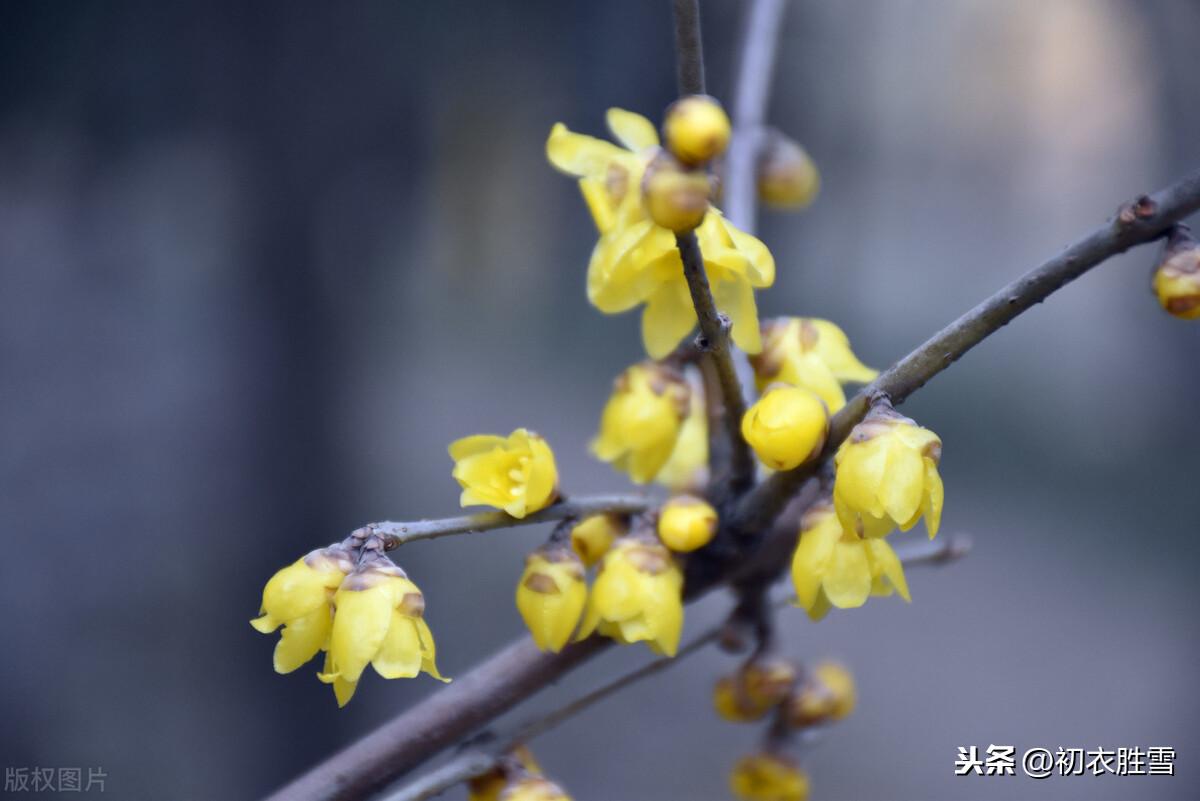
[(752, 88), (485, 752), (584, 506), (1143, 220), (689, 61)]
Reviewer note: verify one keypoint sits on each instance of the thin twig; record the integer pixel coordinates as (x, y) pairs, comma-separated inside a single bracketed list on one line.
[(1136, 223), (584, 506), (752, 88), (488, 749), (689, 62)]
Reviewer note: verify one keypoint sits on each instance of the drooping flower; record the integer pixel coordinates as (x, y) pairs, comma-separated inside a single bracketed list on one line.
[(786, 426), (834, 566), (1176, 280), (768, 776), (637, 596), (593, 536), (754, 689), (641, 422), (827, 693), (378, 621), (514, 473), (636, 261), (686, 523), (810, 353), (687, 468), (299, 597), (887, 475), (551, 595)]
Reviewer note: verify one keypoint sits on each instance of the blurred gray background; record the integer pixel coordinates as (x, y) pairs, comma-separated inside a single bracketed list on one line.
[(262, 262)]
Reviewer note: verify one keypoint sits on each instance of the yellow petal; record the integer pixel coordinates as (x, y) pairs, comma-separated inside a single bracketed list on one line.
[(360, 624), (813, 554), (474, 445), (399, 656), (884, 562), (833, 347), (902, 489), (580, 155), (736, 299), (428, 650), (668, 317), (934, 495), (848, 578), (302, 638), (632, 130), (595, 195)]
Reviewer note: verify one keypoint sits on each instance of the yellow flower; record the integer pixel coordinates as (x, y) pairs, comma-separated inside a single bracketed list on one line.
[(696, 129), (379, 622), (687, 468), (516, 474), (768, 777), (641, 422), (1177, 278), (637, 596), (786, 426), (533, 788), (686, 523), (299, 598), (551, 596), (810, 353), (594, 535), (754, 690), (826, 694), (834, 566), (636, 261), (887, 475), (787, 177), (489, 786)]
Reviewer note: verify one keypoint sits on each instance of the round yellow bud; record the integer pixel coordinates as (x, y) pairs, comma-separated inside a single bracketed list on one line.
[(786, 426), (676, 198), (768, 777), (592, 537), (686, 523), (787, 177), (826, 694), (533, 788), (754, 690), (1177, 278), (696, 129)]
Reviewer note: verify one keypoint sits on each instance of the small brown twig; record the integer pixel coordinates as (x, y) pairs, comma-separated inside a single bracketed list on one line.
[(689, 49)]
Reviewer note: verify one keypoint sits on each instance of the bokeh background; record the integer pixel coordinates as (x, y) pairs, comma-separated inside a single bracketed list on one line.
[(262, 262)]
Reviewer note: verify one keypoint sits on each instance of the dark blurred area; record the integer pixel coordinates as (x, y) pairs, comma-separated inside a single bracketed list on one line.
[(260, 263)]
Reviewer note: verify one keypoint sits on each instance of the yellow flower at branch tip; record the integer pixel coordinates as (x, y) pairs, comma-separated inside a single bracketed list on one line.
[(687, 468), (593, 536), (378, 621), (641, 422), (787, 177), (810, 353), (754, 690), (676, 197), (637, 261), (786, 426), (299, 598), (827, 694), (686, 523), (489, 786), (551, 595), (833, 566), (887, 475), (696, 129), (514, 473), (1177, 278), (768, 777), (637, 596), (533, 788)]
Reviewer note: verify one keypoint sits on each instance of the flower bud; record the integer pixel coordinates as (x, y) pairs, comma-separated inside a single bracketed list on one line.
[(1177, 278), (810, 353), (489, 786), (593, 536), (696, 129), (686, 523), (551, 595), (887, 475), (533, 788), (787, 177), (676, 197), (754, 690), (768, 777), (786, 426), (826, 694)]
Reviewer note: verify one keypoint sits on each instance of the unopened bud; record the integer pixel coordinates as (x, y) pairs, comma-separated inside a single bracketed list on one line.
[(686, 523), (696, 129), (826, 694), (1177, 278), (787, 176), (754, 690), (676, 197)]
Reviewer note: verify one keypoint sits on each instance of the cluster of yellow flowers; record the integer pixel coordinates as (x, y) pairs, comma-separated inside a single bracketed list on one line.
[(353, 603), (798, 699), (517, 777)]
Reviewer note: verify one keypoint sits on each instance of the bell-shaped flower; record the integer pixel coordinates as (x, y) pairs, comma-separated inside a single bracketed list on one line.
[(299, 598), (641, 422), (887, 475), (637, 596), (551, 595), (514, 473), (686, 469)]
